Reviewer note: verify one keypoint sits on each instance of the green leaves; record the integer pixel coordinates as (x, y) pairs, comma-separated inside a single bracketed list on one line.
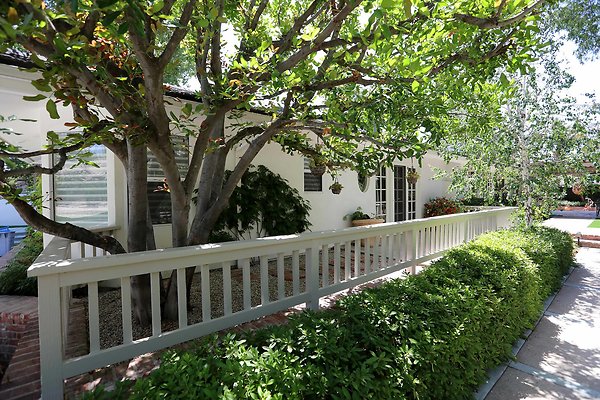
[(51, 108), (37, 97)]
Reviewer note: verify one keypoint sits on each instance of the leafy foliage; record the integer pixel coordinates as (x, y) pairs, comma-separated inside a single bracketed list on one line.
[(441, 206), (532, 149), (14, 280), (580, 20), (430, 336), (264, 204)]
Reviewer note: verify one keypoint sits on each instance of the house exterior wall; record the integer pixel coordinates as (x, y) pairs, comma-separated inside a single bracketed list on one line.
[(327, 209)]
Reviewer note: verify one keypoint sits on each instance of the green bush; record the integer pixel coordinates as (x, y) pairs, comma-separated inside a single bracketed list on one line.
[(14, 280), (430, 336)]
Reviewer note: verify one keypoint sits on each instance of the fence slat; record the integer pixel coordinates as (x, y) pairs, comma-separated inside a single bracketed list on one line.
[(264, 280), (280, 276), (205, 285), (181, 298), (94, 317), (245, 264), (325, 265), (376, 254), (367, 252), (226, 266), (296, 272), (357, 257), (126, 309), (155, 300), (347, 260), (336, 263)]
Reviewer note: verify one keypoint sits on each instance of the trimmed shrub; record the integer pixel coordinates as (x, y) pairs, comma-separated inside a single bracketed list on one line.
[(14, 280), (441, 206), (430, 336)]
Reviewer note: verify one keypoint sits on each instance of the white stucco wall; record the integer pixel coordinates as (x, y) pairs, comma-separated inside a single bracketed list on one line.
[(327, 211)]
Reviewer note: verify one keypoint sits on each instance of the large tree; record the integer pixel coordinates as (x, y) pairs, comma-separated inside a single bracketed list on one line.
[(367, 77)]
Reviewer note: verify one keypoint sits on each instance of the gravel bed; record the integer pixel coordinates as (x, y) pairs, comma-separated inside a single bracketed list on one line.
[(111, 329)]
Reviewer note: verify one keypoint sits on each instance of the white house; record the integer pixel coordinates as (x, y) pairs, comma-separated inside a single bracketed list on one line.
[(97, 196)]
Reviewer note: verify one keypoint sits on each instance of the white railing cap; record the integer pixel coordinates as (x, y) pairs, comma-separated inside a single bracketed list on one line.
[(49, 264)]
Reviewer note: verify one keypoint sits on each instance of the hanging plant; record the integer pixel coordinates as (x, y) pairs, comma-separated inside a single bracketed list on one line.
[(317, 167), (336, 187), (577, 189), (412, 176)]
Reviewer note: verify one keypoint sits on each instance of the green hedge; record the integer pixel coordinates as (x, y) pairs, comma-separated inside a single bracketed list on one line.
[(431, 336), (14, 280)]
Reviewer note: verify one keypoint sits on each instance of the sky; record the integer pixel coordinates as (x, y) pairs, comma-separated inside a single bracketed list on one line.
[(587, 75)]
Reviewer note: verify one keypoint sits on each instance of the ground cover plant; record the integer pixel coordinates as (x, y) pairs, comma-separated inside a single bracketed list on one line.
[(430, 336), (14, 280)]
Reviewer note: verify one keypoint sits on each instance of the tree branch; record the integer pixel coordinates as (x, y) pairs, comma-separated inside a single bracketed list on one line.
[(66, 230), (493, 23), (177, 35)]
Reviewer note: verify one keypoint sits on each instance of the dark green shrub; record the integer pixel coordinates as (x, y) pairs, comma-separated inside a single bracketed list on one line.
[(14, 280), (264, 203), (430, 336)]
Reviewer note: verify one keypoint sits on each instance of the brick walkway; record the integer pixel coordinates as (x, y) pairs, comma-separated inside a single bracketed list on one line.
[(19, 320)]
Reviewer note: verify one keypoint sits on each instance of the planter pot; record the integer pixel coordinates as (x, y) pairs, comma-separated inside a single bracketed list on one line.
[(318, 170), (577, 189), (412, 180), (336, 190), (365, 222)]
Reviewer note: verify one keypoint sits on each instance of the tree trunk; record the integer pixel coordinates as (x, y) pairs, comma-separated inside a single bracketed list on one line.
[(137, 233), (525, 172)]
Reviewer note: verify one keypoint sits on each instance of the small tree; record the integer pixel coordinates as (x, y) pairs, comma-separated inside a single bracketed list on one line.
[(533, 149)]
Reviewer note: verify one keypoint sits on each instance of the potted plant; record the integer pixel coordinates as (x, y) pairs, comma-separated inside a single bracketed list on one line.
[(336, 187), (412, 176), (360, 218), (317, 166)]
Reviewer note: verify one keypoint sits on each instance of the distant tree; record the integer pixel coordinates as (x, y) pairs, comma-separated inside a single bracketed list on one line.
[(580, 20), (532, 150)]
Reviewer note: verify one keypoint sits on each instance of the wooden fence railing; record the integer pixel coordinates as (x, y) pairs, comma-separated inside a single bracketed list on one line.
[(239, 281)]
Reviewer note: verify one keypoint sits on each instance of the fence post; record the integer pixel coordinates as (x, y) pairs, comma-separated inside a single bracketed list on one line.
[(465, 233), (50, 332), (312, 276), (412, 250)]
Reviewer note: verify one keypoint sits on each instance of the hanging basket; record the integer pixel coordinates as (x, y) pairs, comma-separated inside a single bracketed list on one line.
[(318, 170), (577, 189), (412, 179), (336, 188)]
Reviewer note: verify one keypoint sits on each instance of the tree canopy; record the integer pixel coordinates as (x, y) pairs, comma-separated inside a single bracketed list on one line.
[(357, 82)]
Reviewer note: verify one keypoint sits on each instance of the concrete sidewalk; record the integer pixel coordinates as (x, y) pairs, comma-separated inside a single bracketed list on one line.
[(574, 225), (561, 357)]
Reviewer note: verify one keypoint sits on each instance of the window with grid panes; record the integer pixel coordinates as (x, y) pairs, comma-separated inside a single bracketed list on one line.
[(380, 193)]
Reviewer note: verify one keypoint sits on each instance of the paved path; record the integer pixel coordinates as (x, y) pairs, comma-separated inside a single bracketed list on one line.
[(560, 359), (574, 225)]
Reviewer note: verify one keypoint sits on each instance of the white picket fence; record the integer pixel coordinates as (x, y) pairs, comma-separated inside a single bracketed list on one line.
[(318, 264)]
